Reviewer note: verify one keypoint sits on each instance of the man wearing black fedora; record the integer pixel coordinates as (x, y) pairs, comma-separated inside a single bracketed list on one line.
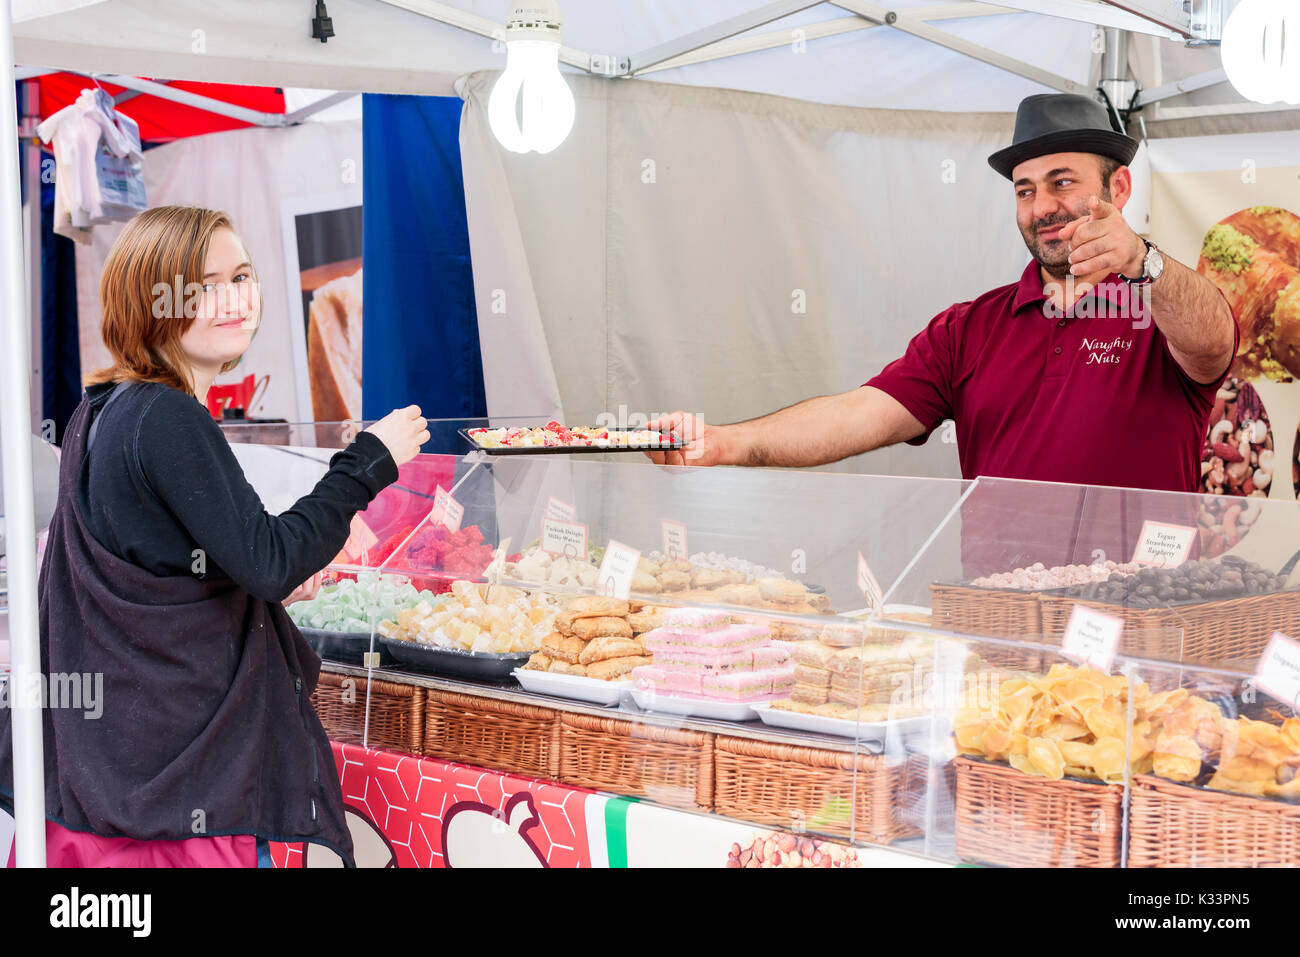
[(1099, 366)]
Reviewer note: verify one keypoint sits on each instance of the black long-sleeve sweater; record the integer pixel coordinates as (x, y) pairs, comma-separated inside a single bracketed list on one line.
[(164, 491)]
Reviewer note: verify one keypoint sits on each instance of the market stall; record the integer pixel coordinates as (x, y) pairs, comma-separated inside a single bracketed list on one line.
[(856, 615), (1114, 694)]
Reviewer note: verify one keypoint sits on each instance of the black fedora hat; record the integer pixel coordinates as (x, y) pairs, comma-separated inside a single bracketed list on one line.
[(1062, 123)]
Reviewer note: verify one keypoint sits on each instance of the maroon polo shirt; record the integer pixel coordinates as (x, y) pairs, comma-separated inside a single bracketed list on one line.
[(1088, 398)]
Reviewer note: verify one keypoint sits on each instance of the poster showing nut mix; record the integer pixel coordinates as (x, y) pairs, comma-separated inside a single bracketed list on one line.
[(1237, 457)]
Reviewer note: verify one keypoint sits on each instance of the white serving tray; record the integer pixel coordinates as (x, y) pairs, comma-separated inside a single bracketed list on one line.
[(648, 699), (576, 687), (874, 731)]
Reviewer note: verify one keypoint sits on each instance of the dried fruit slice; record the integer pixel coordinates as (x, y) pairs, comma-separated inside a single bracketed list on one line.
[(1176, 757), (1108, 758), (1046, 756)]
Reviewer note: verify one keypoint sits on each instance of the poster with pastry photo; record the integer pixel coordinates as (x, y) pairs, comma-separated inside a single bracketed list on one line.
[(1229, 206), (1253, 256), (322, 237)]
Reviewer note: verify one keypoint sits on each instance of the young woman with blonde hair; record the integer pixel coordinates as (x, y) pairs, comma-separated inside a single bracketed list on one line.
[(165, 575)]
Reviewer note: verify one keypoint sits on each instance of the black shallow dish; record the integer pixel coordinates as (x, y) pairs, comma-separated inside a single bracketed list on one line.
[(675, 446), (460, 664), (348, 648)]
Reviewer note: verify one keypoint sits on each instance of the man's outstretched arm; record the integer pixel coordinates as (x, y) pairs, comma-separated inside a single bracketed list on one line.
[(813, 432)]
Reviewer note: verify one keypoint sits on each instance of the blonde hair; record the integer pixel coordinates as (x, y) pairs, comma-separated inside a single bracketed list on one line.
[(160, 253)]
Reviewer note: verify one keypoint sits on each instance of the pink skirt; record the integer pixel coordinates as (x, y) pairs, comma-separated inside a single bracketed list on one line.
[(65, 848)]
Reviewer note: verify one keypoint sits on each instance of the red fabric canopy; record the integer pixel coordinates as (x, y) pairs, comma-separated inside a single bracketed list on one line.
[(162, 121)]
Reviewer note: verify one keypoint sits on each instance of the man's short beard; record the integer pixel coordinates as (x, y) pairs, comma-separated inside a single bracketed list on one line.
[(1058, 270)]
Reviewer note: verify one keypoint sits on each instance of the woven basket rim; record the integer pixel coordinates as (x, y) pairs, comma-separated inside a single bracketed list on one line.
[(1153, 782), (1031, 779), (601, 724)]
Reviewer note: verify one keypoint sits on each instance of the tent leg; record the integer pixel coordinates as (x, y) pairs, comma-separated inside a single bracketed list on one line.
[(20, 519)]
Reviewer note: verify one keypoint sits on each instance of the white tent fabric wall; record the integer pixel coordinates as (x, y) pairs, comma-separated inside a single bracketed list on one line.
[(250, 174), (672, 241), (518, 375)]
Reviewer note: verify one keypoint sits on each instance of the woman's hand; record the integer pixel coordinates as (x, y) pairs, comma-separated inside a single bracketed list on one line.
[(403, 431), (306, 591)]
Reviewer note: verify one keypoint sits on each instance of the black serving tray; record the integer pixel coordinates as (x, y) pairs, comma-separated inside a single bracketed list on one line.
[(346, 647), (675, 446), (460, 664)]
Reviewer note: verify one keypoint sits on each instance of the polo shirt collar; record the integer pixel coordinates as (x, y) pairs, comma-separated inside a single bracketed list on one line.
[(1029, 291)]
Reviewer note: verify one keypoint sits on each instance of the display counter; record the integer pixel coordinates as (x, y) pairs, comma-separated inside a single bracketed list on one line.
[(989, 672)]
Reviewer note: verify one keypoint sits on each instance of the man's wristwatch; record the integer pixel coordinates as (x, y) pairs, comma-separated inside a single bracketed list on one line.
[(1152, 268)]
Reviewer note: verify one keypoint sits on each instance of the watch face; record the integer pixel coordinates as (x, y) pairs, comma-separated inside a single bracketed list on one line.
[(1155, 264)]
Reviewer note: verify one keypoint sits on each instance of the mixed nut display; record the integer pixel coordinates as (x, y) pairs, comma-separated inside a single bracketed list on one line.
[(1193, 581)]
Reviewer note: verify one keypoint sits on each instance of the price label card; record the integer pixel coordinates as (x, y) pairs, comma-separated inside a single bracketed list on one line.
[(360, 540), (446, 510), (617, 570), (560, 509), (1165, 545), (1092, 638), (1278, 671), (868, 585), (564, 538), (497, 567), (674, 535)]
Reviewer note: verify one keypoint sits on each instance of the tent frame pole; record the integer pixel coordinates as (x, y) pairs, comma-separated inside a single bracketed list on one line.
[(20, 519), (740, 45), (723, 30), (186, 98), (1189, 84), (918, 28)]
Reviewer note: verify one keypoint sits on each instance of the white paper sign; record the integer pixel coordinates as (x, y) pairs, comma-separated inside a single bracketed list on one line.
[(1278, 671), (1164, 545), (446, 510), (564, 538), (868, 585), (1091, 637), (674, 536), (617, 570), (560, 509), (497, 567)]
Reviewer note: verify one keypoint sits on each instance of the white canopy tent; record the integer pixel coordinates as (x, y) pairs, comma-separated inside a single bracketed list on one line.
[(913, 55), (910, 54)]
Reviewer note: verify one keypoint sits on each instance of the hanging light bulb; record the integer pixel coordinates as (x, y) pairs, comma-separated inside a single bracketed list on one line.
[(532, 85), (1261, 50)]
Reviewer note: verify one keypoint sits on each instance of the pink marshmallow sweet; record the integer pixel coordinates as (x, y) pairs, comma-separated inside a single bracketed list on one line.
[(730, 638), (740, 686), (675, 657), (699, 619), (648, 676), (770, 656)]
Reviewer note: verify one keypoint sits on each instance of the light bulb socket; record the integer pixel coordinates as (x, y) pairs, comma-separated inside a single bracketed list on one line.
[(534, 20)]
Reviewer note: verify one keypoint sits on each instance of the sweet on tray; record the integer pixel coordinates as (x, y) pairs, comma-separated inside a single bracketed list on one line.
[(479, 618), (596, 637), (700, 653), (553, 435)]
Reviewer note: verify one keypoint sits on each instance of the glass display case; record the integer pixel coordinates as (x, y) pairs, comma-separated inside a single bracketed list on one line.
[(991, 672)]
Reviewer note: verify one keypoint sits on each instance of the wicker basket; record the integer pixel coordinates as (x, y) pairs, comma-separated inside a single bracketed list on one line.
[(1212, 631), (627, 757), (1173, 825), (991, 613), (396, 711), (519, 738), (813, 789), (1007, 818)]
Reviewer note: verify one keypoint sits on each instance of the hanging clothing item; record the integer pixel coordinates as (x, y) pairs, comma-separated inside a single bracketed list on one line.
[(99, 173)]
